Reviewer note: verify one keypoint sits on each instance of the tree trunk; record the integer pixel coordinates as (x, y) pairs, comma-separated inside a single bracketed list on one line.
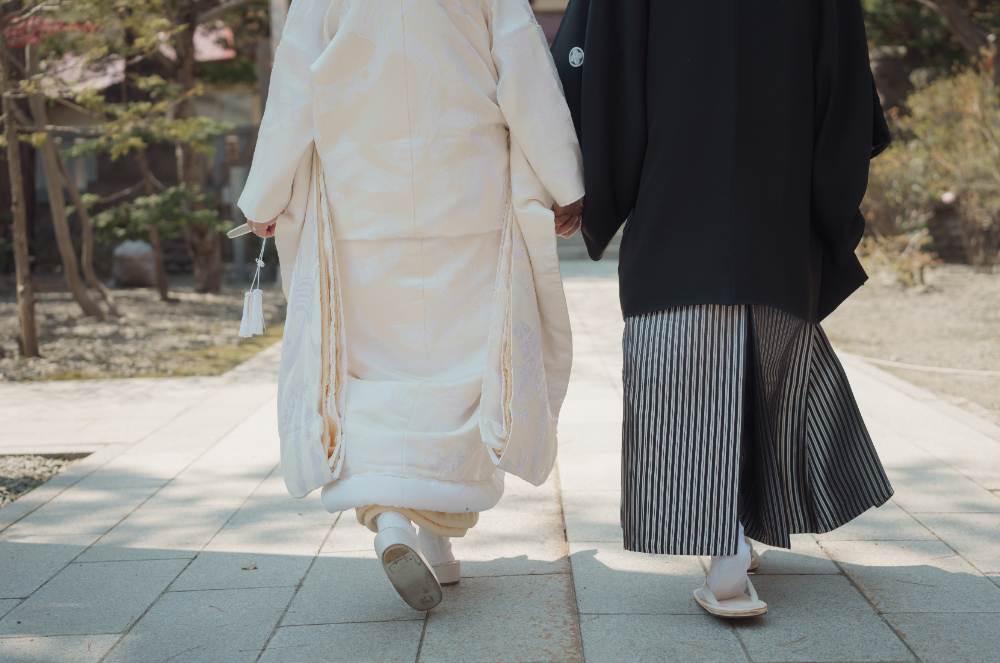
[(57, 205), (22, 261), (87, 230), (206, 255), (968, 34), (154, 233), (203, 245), (972, 38)]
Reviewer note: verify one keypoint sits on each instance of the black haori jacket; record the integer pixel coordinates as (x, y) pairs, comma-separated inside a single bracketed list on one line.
[(734, 137)]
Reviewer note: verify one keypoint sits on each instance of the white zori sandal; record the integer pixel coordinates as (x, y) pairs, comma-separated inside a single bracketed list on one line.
[(739, 606), (754, 559), (438, 551), (405, 564), (727, 578)]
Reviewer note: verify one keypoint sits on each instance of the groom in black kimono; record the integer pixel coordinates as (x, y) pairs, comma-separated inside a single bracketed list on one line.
[(732, 140)]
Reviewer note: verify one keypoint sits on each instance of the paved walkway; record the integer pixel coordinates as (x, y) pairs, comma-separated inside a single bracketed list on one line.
[(175, 540)]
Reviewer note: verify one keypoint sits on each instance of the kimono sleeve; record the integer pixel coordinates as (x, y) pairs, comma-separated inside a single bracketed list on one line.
[(286, 130), (531, 98), (601, 52), (850, 127)]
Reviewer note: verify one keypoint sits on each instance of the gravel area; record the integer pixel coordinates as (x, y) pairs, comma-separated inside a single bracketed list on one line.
[(951, 322), (19, 474), (196, 335)]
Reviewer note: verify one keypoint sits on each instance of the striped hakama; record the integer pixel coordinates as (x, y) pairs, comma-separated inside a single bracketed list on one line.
[(738, 414)]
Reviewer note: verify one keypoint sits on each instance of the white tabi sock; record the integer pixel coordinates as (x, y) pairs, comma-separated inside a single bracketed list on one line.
[(437, 549), (727, 576), (394, 519)]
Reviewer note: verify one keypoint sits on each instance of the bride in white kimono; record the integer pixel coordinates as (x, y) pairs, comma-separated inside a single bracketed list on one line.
[(407, 164)]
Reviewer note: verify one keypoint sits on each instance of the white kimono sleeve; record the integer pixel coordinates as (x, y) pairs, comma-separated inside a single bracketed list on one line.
[(286, 130), (531, 98)]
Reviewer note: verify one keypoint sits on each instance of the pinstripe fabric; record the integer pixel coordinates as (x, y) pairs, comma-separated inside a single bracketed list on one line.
[(738, 413)]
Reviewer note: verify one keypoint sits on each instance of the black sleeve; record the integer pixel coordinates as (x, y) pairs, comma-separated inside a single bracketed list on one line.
[(600, 51), (881, 137), (850, 126), (567, 51)]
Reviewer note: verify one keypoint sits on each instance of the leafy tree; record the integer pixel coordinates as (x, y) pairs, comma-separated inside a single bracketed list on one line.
[(936, 33), (958, 119)]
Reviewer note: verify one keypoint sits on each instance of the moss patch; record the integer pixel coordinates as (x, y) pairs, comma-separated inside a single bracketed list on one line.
[(211, 360)]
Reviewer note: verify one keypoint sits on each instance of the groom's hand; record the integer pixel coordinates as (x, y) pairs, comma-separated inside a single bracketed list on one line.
[(568, 219)]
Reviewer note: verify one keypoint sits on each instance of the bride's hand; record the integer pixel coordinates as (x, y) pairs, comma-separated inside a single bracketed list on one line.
[(568, 219), (263, 229)]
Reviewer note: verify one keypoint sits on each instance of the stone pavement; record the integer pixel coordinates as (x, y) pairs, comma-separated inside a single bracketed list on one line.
[(175, 540)]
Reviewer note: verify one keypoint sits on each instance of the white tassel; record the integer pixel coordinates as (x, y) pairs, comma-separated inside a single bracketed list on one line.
[(253, 303)]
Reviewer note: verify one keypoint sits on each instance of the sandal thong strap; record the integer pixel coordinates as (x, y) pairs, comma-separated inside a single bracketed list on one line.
[(706, 591)]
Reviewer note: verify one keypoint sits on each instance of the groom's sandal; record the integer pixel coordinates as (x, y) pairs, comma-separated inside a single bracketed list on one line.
[(754, 559), (738, 606), (407, 568)]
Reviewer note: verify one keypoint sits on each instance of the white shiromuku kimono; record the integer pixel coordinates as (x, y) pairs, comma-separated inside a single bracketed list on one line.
[(411, 151)]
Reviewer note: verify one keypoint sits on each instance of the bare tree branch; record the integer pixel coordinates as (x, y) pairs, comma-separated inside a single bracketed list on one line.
[(80, 109), (63, 129), (157, 183), (44, 5)]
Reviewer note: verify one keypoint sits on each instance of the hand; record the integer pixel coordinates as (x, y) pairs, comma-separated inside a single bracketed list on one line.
[(568, 219), (263, 229)]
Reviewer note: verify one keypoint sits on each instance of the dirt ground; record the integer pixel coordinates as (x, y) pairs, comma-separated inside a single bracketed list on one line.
[(196, 335), (951, 322)]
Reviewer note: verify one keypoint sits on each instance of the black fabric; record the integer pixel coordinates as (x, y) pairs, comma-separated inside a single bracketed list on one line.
[(734, 137)]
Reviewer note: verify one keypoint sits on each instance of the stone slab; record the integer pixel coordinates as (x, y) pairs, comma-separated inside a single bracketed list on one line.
[(975, 536), (222, 487), (527, 545), (81, 512), (600, 405), (577, 438), (27, 562), (804, 558), (596, 471), (231, 625), (228, 570), (6, 605), (520, 497), (159, 534), (375, 642), (75, 648), (363, 593), (950, 638), (939, 489), (641, 638), (277, 534), (592, 515), (100, 597), (915, 576), (808, 618), (150, 464), (349, 535), (610, 580), (496, 620), (886, 523)]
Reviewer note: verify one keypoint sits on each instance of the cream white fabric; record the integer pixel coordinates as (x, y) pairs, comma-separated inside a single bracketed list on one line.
[(436, 548), (411, 150)]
